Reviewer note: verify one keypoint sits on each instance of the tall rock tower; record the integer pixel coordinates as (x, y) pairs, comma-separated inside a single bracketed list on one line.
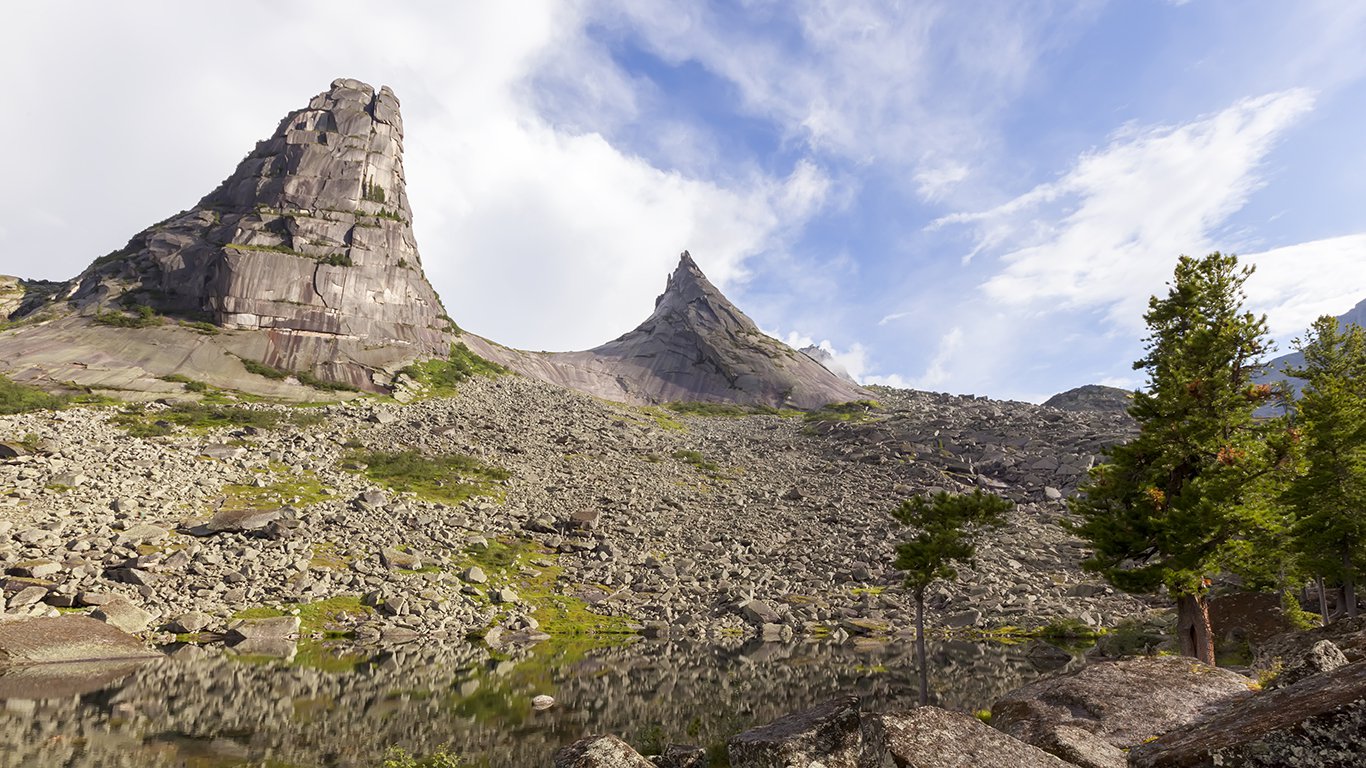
[(309, 240)]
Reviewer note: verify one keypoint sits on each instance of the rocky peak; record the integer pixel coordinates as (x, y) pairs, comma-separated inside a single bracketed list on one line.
[(310, 238), (828, 360), (695, 346)]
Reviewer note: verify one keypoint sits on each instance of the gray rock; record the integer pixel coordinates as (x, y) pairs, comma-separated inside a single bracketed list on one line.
[(261, 629), (600, 752), (124, 615), (475, 575), (1316, 723), (759, 613), (829, 734), (27, 596), (929, 737), (237, 521), (38, 569), (1082, 748), (1121, 702), (66, 638), (682, 756), (142, 533), (397, 559), (1321, 657), (187, 623)]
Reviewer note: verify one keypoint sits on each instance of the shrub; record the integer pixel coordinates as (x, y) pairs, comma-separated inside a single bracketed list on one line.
[(21, 398), (143, 317), (441, 377)]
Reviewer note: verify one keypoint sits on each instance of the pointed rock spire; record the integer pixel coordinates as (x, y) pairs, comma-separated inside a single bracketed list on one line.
[(310, 238), (695, 346)]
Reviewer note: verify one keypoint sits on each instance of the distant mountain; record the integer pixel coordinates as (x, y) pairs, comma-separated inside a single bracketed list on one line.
[(1092, 397), (828, 361), (1275, 370), (308, 244), (695, 346)]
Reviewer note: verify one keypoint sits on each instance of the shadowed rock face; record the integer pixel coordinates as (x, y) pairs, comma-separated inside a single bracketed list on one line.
[(310, 239), (696, 346)]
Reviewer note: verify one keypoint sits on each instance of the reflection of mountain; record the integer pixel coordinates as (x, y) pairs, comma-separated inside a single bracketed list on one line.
[(205, 707)]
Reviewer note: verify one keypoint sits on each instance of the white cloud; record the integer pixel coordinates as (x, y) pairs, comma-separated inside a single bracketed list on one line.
[(1106, 234), (1296, 284), (939, 371)]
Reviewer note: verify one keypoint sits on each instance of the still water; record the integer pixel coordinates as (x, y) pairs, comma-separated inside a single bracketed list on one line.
[(347, 707)]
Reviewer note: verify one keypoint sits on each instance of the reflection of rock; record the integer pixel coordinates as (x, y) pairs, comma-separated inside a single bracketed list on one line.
[(58, 681), (66, 638), (1122, 702), (929, 737)]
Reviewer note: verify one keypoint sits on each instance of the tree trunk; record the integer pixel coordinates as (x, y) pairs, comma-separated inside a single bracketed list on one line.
[(1192, 627), (1349, 585), (920, 648), (1323, 601)]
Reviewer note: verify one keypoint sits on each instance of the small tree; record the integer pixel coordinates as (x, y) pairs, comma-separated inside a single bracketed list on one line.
[(1179, 503), (948, 526), (1329, 497)]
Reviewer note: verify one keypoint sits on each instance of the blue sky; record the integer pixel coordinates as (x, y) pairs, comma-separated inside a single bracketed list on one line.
[(965, 197)]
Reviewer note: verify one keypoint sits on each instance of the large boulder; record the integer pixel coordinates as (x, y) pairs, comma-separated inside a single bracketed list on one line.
[(1122, 702), (1316, 723), (831, 734), (929, 737), (66, 638), (600, 752)]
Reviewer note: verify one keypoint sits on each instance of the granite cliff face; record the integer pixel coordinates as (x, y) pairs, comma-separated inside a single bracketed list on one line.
[(1092, 397), (695, 346), (310, 240)]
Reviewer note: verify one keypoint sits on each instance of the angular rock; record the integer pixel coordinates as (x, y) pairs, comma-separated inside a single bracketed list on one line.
[(1316, 723), (829, 734), (188, 623), (1122, 702), (1082, 748), (1321, 657), (696, 346), (475, 575), (758, 612), (930, 737), (27, 596), (38, 569), (142, 533), (397, 559), (237, 521), (600, 752), (124, 615), (66, 638), (274, 627)]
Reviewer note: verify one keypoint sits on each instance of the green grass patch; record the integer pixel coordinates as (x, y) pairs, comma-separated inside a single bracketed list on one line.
[(138, 421), (329, 617), (190, 384), (441, 378), (330, 555), (447, 478), (21, 398), (728, 410), (261, 369), (201, 327), (398, 757), (664, 419), (699, 462), (142, 316), (854, 411), (301, 491)]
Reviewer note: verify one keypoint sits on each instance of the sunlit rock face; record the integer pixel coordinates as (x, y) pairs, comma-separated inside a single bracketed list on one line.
[(309, 239)]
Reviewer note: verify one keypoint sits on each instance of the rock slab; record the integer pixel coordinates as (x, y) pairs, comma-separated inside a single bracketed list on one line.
[(600, 752), (66, 638), (930, 737), (829, 734)]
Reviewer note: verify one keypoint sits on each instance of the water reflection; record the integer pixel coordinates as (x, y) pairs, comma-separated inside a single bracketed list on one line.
[(345, 707)]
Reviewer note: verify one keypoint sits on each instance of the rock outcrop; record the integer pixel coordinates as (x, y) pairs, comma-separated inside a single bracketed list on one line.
[(696, 346), (828, 360), (1092, 397), (1315, 723), (1123, 703), (65, 639), (930, 737), (309, 242)]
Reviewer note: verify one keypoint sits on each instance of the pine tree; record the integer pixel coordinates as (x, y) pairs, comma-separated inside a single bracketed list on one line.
[(948, 526), (1178, 504), (1329, 497)]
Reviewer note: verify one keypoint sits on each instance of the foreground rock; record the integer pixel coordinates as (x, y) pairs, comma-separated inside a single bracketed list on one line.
[(600, 752), (1316, 723), (830, 734), (930, 737), (66, 638), (1122, 703)]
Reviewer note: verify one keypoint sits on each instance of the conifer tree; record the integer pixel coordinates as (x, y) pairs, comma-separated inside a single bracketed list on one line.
[(1329, 497), (1176, 505), (948, 526)]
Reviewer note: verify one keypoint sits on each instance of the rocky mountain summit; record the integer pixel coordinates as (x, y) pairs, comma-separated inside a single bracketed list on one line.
[(1092, 397), (696, 347), (309, 242)]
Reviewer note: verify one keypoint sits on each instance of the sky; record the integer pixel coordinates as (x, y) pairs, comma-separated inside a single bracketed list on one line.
[(968, 197)]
